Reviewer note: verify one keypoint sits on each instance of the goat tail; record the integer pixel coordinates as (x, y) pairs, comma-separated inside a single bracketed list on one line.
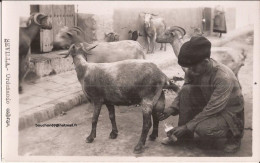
[(171, 85)]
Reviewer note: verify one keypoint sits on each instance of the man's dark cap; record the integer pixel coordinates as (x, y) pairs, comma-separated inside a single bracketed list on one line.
[(194, 51)]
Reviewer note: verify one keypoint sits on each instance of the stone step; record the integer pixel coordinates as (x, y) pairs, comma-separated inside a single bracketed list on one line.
[(46, 64)]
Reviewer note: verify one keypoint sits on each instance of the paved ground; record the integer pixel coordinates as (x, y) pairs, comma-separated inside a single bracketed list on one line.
[(71, 140)]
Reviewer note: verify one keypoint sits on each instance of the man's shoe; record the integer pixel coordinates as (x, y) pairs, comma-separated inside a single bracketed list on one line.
[(167, 141), (232, 145), (170, 141)]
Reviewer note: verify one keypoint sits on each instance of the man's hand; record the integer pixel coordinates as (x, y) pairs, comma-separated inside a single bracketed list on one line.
[(167, 112), (179, 131)]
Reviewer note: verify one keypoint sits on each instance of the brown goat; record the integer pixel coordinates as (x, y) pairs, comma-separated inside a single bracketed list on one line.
[(36, 22), (127, 82)]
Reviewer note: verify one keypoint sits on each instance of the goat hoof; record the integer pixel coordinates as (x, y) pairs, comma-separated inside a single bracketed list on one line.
[(89, 139), (113, 135), (152, 137), (138, 149)]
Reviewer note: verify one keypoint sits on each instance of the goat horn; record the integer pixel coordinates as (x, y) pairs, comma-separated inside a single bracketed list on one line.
[(36, 16), (154, 15), (69, 51), (77, 29), (88, 48), (179, 29), (63, 53)]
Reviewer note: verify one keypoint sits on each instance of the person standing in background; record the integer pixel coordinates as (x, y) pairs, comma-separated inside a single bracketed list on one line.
[(219, 21)]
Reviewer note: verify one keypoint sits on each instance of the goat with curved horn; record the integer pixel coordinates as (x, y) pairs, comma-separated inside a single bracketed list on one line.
[(180, 29), (68, 36), (36, 22), (35, 17), (170, 35)]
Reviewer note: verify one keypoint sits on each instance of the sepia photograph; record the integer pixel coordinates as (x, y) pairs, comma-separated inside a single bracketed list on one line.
[(130, 80)]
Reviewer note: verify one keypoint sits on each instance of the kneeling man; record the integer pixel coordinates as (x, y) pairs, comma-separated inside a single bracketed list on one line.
[(210, 103)]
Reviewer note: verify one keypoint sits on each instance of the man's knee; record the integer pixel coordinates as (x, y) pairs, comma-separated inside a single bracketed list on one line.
[(212, 128)]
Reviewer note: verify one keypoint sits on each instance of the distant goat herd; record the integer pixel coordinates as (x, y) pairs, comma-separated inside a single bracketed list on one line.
[(115, 72)]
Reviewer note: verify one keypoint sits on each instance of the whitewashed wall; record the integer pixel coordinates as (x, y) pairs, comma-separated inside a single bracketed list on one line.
[(245, 14)]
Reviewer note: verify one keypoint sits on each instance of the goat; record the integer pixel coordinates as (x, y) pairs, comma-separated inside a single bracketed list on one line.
[(232, 58), (27, 34), (105, 51), (153, 27), (127, 82), (68, 36), (111, 37)]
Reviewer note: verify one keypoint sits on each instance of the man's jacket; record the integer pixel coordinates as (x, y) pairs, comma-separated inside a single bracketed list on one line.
[(222, 92)]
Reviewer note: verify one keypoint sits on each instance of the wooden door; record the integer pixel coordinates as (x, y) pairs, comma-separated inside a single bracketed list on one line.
[(46, 36), (58, 18), (207, 17), (69, 15)]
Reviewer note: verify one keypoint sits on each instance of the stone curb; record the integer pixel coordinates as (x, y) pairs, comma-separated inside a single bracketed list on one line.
[(50, 110), (57, 107)]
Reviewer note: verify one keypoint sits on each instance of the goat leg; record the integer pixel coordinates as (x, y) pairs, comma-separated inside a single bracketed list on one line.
[(114, 132), (24, 62), (154, 134), (153, 44), (161, 48), (97, 108), (147, 111), (158, 108), (148, 44)]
